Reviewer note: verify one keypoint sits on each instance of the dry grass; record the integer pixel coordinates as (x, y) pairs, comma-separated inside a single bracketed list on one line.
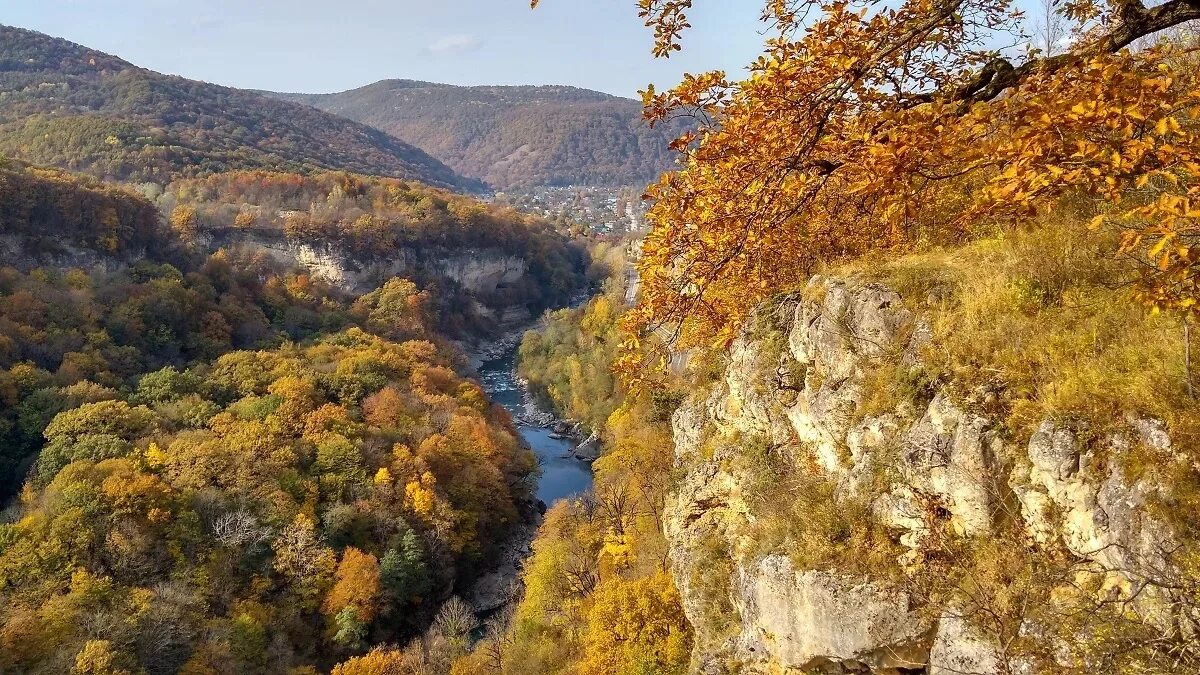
[(800, 513), (1041, 324)]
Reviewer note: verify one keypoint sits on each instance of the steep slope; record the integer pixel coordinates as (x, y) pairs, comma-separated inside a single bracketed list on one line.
[(513, 137), (49, 216), (932, 469), (970, 460), (71, 106)]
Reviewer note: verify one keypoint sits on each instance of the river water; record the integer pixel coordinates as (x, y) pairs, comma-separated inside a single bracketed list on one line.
[(562, 475)]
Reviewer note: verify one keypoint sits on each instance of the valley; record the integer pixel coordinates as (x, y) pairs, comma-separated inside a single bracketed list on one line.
[(270, 357), (872, 357)]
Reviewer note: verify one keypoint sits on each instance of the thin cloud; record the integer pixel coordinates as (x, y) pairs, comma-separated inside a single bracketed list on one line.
[(458, 43)]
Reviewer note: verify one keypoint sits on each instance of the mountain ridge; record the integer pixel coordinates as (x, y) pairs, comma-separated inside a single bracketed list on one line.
[(407, 83), (66, 104), (512, 136)]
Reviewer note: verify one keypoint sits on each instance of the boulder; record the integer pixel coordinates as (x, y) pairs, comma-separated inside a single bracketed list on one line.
[(589, 449), (960, 649), (808, 619), (950, 454)]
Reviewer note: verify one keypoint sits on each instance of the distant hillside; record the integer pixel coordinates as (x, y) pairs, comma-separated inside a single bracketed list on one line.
[(356, 232), (74, 107), (512, 136), (48, 215)]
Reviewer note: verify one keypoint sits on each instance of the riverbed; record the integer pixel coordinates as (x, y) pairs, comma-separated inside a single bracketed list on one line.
[(563, 475)]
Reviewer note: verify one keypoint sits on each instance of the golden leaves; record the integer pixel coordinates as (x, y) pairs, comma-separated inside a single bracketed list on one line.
[(849, 139)]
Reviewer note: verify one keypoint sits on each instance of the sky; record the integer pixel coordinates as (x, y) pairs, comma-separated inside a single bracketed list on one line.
[(318, 46)]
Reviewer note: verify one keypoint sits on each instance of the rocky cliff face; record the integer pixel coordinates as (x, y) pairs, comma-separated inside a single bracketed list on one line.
[(497, 286), (26, 253), (484, 273), (479, 271), (929, 470)]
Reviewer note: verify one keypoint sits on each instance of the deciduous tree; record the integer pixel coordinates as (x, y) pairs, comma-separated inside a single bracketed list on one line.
[(356, 586), (869, 126)]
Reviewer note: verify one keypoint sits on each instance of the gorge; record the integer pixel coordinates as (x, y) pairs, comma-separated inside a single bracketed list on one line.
[(562, 474), (875, 357)]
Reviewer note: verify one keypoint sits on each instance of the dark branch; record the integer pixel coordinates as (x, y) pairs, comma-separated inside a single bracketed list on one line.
[(1136, 21), (999, 75)]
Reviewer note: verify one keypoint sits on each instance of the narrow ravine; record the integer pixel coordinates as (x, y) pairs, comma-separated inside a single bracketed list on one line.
[(563, 475)]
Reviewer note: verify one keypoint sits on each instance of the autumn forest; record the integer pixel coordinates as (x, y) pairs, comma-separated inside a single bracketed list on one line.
[(892, 370)]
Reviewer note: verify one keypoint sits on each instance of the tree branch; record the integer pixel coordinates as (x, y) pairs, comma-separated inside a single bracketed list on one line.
[(1136, 21)]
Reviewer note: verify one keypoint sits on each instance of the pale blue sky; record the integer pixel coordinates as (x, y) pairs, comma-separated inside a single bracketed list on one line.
[(332, 45)]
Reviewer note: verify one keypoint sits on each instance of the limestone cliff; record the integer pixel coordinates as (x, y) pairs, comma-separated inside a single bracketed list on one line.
[(496, 289), (933, 469), (480, 271), (25, 253)]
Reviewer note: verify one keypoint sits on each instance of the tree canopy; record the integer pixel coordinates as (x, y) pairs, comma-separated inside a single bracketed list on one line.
[(311, 499), (868, 126)]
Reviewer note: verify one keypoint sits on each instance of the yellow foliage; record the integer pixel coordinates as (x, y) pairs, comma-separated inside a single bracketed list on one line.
[(620, 549), (419, 495), (888, 129), (183, 220), (356, 585), (636, 627), (378, 661), (245, 219), (1042, 318), (155, 456), (97, 658)]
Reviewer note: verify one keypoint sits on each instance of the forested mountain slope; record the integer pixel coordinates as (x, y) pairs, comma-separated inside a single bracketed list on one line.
[(225, 463), (513, 137), (67, 105), (487, 267)]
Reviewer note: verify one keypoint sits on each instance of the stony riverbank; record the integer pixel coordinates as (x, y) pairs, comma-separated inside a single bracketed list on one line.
[(502, 585), (586, 442), (482, 351), (564, 474), (530, 412)]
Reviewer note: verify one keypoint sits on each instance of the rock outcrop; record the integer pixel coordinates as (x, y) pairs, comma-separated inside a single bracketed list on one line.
[(929, 465), (588, 449), (25, 253), (502, 584), (494, 287), (805, 620), (479, 271)]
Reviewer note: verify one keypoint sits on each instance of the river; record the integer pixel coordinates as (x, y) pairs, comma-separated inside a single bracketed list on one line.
[(562, 475)]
